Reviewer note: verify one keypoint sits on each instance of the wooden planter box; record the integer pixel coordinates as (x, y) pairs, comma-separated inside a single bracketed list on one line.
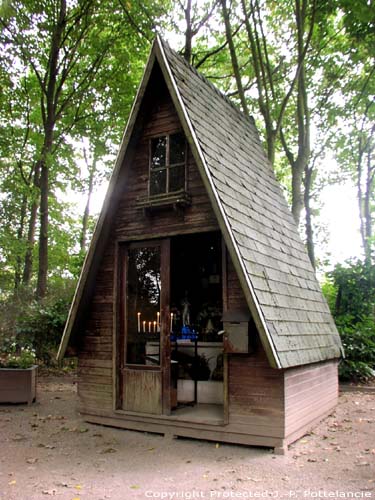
[(18, 385)]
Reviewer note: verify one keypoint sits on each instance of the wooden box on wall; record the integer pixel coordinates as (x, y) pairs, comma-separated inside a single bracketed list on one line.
[(236, 331)]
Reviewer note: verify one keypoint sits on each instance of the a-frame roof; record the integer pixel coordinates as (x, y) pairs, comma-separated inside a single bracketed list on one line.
[(292, 316)]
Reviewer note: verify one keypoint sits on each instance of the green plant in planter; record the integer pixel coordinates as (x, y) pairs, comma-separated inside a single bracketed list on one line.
[(13, 355)]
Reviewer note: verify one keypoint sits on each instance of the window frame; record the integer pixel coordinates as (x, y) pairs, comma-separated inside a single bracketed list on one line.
[(167, 167)]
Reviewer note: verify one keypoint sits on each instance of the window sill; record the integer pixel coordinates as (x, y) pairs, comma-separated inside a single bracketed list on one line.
[(176, 200)]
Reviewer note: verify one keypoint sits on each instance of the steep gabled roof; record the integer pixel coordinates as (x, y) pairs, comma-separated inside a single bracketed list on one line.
[(292, 316)]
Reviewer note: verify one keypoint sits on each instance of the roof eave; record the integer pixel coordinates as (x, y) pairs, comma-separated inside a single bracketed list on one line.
[(218, 209), (88, 262)]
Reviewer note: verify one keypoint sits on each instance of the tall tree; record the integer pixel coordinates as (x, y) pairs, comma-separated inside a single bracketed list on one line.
[(278, 78), (71, 50)]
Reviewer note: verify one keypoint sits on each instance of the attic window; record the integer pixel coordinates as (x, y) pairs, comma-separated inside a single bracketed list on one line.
[(167, 164)]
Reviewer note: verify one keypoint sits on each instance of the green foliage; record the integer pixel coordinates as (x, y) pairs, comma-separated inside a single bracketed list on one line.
[(330, 293), (101, 59), (37, 327), (14, 355), (350, 292), (355, 285), (359, 343), (42, 325)]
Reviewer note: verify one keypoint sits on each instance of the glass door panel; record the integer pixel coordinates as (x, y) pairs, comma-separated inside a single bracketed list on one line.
[(144, 385), (143, 306)]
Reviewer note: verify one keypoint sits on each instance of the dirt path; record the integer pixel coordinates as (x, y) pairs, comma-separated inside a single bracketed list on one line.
[(47, 450)]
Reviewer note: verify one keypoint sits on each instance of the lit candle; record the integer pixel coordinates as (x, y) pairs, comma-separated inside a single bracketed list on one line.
[(139, 322), (154, 326), (144, 326), (149, 326), (158, 320), (171, 322)]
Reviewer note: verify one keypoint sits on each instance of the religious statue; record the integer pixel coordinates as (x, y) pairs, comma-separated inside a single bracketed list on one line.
[(185, 311)]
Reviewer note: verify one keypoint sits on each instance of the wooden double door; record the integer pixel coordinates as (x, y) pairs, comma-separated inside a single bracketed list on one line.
[(145, 353)]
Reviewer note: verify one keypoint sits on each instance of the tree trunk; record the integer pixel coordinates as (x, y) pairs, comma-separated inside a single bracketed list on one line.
[(49, 125), (370, 174), (233, 56), (86, 212), (188, 33), (28, 264), (308, 180), (20, 236), (303, 117), (41, 289)]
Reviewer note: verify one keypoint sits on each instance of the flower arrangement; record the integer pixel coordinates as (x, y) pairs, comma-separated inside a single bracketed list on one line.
[(13, 355)]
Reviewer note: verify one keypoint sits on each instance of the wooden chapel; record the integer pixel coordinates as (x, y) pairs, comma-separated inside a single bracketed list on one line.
[(197, 312)]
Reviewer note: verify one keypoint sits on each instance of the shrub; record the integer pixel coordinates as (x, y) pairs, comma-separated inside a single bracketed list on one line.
[(358, 339), (350, 292), (42, 325)]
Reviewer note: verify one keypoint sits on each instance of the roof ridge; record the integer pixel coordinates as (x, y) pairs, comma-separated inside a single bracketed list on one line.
[(192, 68)]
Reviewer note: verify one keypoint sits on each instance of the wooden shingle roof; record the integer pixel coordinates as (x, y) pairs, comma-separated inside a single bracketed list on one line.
[(292, 316)]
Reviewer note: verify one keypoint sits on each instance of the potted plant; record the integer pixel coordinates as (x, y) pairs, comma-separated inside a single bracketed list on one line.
[(17, 372)]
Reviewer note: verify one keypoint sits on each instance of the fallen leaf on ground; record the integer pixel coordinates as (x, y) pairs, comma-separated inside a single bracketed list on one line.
[(31, 460), (19, 437), (108, 450), (12, 483)]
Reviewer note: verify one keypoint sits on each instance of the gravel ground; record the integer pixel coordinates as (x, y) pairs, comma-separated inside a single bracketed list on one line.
[(48, 450)]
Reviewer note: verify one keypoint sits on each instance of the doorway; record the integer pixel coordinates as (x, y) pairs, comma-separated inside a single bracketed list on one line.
[(196, 303), (171, 307)]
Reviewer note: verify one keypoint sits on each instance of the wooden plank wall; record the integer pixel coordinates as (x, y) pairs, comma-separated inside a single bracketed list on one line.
[(96, 373), (236, 298), (131, 222), (256, 403), (311, 392), (95, 353), (256, 391)]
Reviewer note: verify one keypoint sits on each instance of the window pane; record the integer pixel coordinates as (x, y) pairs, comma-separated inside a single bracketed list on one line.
[(177, 148), (143, 306), (177, 178), (158, 179), (158, 152)]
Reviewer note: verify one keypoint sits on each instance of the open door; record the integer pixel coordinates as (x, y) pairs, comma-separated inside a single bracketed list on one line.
[(144, 311)]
